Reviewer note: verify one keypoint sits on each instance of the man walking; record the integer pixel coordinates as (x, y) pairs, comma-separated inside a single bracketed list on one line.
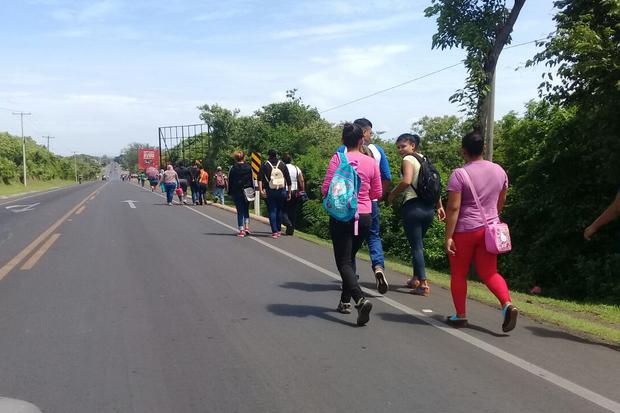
[(374, 234)]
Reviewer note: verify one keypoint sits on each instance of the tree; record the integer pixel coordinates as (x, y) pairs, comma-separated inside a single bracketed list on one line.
[(222, 128), (482, 28), (441, 140), (584, 52)]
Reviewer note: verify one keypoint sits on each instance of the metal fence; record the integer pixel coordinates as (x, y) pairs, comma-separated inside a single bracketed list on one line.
[(183, 143)]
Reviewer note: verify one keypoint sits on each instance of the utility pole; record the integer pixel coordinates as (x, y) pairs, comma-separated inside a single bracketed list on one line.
[(21, 115), (490, 120), (75, 165), (48, 141)]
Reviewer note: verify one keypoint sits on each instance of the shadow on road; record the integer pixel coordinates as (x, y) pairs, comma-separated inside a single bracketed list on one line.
[(442, 319), (235, 234), (295, 285), (293, 310), (544, 332), (401, 318)]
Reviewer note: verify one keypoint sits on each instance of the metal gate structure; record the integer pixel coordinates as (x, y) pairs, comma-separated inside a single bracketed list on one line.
[(183, 143)]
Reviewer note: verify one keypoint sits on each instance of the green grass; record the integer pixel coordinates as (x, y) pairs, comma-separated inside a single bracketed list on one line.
[(33, 186), (600, 322)]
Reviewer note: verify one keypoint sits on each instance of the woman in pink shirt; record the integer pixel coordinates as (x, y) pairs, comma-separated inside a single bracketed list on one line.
[(345, 240), (465, 229)]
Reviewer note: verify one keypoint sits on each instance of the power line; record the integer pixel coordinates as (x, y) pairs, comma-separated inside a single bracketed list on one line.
[(392, 87), (415, 79)]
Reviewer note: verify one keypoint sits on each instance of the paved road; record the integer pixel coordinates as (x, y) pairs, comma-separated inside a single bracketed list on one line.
[(163, 309)]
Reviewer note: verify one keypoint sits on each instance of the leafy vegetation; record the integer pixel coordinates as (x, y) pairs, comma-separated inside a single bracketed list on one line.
[(561, 155), (41, 164)]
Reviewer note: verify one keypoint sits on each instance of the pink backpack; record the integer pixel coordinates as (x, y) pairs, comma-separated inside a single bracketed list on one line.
[(496, 235)]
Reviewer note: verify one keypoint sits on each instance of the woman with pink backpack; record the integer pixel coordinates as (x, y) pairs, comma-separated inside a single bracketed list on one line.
[(476, 197)]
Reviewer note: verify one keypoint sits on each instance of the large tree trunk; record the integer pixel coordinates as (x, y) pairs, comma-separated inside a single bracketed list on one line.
[(486, 103)]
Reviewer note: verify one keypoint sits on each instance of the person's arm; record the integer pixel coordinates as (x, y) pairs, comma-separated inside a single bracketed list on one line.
[(261, 178), (301, 182), (405, 181), (452, 215), (329, 174), (501, 201), (376, 187), (441, 213), (386, 175), (611, 213), (287, 178)]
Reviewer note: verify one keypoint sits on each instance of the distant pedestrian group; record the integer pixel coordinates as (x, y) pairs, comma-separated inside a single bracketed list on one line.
[(357, 179)]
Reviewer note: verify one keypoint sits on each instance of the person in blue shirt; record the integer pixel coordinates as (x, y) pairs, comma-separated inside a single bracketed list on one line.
[(374, 234)]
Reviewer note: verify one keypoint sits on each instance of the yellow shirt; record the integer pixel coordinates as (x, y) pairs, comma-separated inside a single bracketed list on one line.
[(409, 193)]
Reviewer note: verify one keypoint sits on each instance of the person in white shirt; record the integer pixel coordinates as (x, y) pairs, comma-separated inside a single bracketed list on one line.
[(289, 214)]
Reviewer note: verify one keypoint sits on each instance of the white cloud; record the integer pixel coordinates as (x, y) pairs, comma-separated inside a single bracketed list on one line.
[(91, 12), (346, 28)]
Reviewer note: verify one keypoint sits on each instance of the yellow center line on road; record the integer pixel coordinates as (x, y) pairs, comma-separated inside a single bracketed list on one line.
[(8, 267), (34, 258), (79, 211)]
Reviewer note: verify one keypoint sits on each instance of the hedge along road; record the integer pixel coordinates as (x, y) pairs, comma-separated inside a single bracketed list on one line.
[(164, 309)]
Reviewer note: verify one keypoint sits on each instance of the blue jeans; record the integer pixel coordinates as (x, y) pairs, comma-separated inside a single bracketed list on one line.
[(195, 190), (219, 194), (243, 210), (417, 218), (374, 238), (275, 206), (170, 187)]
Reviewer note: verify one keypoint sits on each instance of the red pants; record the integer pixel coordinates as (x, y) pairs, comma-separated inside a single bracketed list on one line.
[(471, 245)]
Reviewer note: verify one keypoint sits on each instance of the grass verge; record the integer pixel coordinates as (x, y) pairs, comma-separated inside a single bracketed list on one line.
[(599, 322), (15, 188)]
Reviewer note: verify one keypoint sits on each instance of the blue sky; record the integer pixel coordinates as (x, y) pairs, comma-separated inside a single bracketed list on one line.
[(100, 74)]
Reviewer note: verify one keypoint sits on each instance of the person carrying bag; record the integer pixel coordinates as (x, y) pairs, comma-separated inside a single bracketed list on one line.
[(475, 191)]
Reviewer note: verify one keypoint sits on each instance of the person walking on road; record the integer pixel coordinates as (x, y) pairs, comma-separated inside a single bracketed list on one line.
[(184, 179), (162, 185), (417, 213), (240, 182), (465, 229), (347, 237), (221, 184), (273, 179), (375, 246), (170, 179), (297, 188), (194, 174), (203, 183)]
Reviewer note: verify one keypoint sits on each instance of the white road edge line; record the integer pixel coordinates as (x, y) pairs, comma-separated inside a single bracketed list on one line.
[(559, 381)]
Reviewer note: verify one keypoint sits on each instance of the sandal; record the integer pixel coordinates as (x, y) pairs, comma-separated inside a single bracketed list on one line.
[(424, 291), (456, 321), (413, 283)]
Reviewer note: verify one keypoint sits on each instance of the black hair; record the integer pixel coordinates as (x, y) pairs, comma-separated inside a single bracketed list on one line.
[(272, 153), (363, 123), (473, 143), (286, 158), (351, 134), (411, 138)]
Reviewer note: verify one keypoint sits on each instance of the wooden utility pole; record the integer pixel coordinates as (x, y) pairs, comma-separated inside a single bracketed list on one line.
[(21, 115)]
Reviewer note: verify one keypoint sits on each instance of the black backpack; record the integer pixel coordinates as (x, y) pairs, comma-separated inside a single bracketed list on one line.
[(429, 181)]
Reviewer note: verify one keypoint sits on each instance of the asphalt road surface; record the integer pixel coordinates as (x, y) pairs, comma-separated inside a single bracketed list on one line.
[(109, 308)]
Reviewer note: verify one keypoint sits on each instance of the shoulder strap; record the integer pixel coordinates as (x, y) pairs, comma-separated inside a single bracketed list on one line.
[(419, 159), (343, 158), (475, 194)]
